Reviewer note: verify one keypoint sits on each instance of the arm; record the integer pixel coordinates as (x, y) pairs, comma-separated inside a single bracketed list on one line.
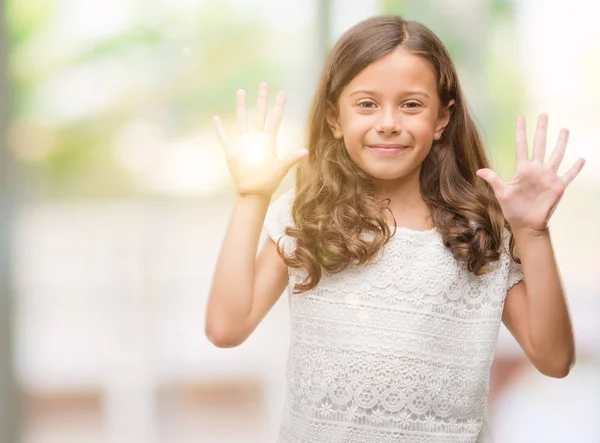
[(535, 310), (244, 287)]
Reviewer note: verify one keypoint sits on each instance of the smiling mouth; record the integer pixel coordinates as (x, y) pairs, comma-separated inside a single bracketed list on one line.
[(387, 149), (387, 146)]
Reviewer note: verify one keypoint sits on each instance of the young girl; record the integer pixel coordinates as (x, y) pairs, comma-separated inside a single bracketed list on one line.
[(398, 244)]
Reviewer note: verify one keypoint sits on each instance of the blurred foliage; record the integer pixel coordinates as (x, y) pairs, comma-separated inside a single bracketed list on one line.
[(180, 72), (176, 69)]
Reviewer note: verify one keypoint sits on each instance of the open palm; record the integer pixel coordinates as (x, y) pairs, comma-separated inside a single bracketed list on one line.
[(530, 198), (252, 154)]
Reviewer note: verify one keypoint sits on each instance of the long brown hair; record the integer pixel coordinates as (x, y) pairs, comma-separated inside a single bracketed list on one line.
[(335, 203)]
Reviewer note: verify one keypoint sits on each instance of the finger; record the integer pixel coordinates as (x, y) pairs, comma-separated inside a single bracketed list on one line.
[(521, 140), (276, 116), (242, 121), (573, 172), (292, 158), (493, 179), (559, 151), (539, 140), (260, 113), (223, 138)]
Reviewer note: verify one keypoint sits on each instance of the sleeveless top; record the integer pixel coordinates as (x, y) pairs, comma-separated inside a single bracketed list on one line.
[(396, 350)]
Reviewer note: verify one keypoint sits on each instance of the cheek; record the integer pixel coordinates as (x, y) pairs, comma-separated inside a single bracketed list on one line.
[(422, 129), (355, 127), (357, 132)]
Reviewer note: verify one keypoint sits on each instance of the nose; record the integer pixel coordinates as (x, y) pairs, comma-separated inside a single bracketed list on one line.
[(388, 123)]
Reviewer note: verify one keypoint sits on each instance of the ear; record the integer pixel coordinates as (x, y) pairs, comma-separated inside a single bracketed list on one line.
[(333, 120), (443, 120)]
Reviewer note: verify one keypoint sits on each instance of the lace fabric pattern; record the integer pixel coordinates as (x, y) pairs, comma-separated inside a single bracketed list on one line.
[(397, 350)]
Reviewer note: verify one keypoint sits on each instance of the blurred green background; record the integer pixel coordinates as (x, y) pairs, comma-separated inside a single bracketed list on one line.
[(102, 91)]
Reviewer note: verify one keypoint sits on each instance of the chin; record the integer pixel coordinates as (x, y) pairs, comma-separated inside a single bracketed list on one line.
[(387, 173), (388, 169)]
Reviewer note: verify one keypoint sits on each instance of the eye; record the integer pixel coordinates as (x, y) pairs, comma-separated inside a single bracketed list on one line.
[(412, 105), (367, 105)]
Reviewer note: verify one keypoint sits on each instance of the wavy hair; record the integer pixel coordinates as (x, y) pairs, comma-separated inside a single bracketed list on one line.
[(335, 203)]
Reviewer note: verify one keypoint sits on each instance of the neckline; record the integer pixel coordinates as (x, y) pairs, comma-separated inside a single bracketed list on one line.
[(412, 231)]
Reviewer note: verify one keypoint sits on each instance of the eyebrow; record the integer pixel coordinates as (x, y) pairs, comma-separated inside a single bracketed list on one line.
[(363, 91)]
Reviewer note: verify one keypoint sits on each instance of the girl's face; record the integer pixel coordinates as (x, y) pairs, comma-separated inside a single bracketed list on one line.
[(389, 115)]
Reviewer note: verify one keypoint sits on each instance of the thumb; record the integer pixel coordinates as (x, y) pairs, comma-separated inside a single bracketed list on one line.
[(291, 158), (493, 179)]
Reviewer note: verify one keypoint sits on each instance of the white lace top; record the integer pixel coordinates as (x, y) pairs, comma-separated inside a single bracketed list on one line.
[(397, 350)]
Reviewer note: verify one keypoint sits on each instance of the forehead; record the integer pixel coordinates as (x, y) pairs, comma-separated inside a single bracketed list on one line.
[(396, 73)]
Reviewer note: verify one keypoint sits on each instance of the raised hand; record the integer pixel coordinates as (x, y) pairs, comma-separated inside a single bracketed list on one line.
[(252, 154), (532, 195)]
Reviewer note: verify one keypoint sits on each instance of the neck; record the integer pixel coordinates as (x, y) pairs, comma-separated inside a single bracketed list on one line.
[(406, 202)]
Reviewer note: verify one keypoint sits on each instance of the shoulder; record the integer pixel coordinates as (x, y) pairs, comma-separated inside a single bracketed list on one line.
[(513, 270), (285, 199), (280, 209), (279, 215)]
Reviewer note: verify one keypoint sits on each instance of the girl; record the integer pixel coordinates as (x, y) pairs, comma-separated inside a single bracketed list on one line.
[(398, 244)]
